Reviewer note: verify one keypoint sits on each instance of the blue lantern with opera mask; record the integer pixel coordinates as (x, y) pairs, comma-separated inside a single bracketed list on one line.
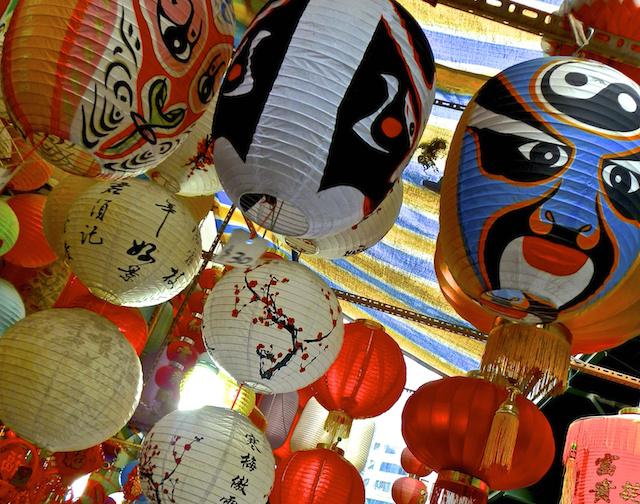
[(320, 111), (540, 214)]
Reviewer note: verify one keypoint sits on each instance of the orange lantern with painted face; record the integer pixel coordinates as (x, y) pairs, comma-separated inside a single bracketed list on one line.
[(111, 88)]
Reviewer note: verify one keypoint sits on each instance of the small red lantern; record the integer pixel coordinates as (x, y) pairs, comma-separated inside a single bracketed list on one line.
[(182, 352), (319, 476), (366, 379), (169, 377), (412, 465), (409, 491), (72, 465), (447, 424)]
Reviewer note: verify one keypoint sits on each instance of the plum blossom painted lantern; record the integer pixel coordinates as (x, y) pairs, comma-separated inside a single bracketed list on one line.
[(206, 456), (540, 215), (275, 327), (131, 242), (304, 112), (110, 88)]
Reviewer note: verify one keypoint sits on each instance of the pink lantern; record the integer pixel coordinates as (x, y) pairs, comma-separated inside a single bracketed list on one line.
[(602, 459)]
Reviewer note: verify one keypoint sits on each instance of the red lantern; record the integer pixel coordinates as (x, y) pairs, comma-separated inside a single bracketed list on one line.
[(446, 424), (169, 376), (412, 465), (409, 491), (182, 352), (196, 302), (208, 278), (368, 376), (317, 476), (72, 465), (602, 459), (32, 249)]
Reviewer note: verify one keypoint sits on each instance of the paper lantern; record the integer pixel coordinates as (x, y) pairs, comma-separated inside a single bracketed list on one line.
[(412, 465), (446, 424), (68, 379), (359, 237), (318, 476), (310, 431), (409, 491), (602, 459), (31, 250), (11, 305), (275, 327), (368, 376), (33, 172), (209, 455), (117, 85), (305, 112), (280, 411), (189, 171), (44, 289), (9, 227), (530, 230), (57, 206), (131, 242), (284, 451), (621, 17)]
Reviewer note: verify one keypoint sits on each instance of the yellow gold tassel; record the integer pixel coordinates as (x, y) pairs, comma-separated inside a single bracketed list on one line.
[(501, 442), (338, 425), (569, 481), (535, 358)]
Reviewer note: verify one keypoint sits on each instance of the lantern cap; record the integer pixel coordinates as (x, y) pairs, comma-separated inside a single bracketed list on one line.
[(371, 324), (633, 410), (330, 447), (463, 479)]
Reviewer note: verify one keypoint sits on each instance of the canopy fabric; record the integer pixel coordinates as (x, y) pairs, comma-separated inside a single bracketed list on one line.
[(399, 270)]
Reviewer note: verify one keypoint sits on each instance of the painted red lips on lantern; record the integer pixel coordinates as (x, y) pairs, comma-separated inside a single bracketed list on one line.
[(550, 267)]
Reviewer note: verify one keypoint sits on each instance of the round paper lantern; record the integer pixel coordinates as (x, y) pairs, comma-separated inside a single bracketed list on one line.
[(189, 171), (57, 206), (368, 376), (31, 250), (318, 476), (44, 289), (602, 459), (209, 455), (446, 424), (131, 242), (530, 230), (9, 227), (310, 431), (359, 237), (33, 172), (409, 491), (275, 327), (114, 97), (68, 379), (620, 17), (280, 411), (305, 112), (11, 305), (412, 465)]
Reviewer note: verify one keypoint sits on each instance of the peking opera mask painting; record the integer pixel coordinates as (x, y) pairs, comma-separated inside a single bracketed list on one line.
[(544, 173)]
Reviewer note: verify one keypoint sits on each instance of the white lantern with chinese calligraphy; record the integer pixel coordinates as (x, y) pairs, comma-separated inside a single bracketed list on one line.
[(132, 242), (275, 327), (68, 379), (189, 171), (206, 456)]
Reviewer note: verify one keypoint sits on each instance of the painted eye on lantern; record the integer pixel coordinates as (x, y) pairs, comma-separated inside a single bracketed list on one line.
[(391, 127), (244, 83), (544, 153), (621, 179), (410, 116), (179, 39)]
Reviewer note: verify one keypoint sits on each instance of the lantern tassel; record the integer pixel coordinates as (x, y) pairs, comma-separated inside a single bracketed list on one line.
[(535, 358), (338, 425), (501, 442), (569, 481), (453, 487)]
